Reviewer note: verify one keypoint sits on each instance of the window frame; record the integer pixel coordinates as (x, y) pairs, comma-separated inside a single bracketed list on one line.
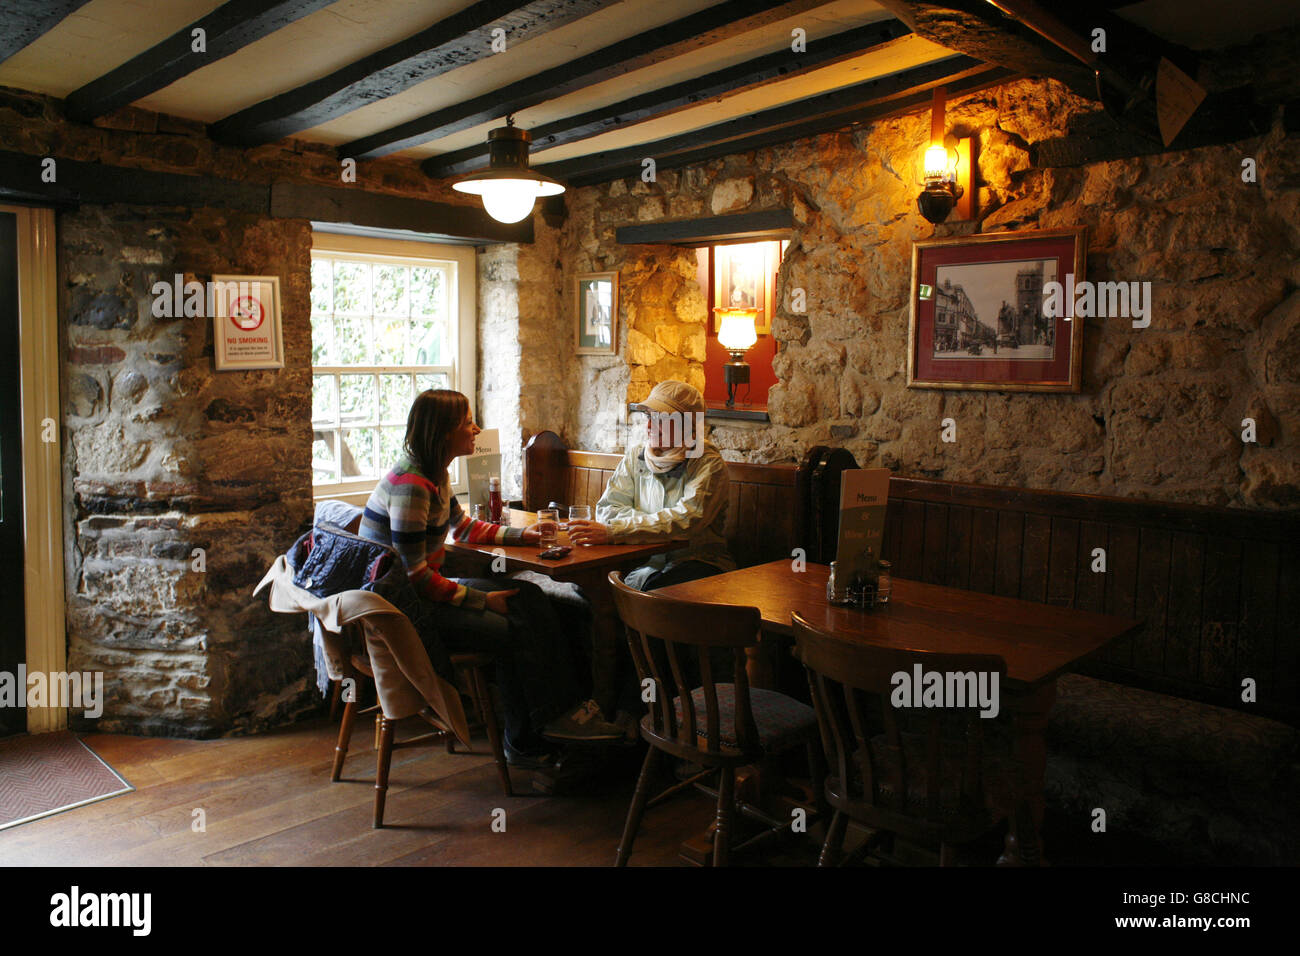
[(461, 296)]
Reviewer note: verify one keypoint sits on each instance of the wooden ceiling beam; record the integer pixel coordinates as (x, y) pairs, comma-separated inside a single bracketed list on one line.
[(226, 30), (864, 102), (694, 32), (26, 21), (462, 38), (750, 75)]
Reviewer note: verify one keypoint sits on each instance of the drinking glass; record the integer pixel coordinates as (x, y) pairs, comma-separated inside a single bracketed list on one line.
[(478, 513), (548, 523), (579, 513)]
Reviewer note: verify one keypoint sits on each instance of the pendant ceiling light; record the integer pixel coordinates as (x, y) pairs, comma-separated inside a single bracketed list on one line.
[(508, 186)]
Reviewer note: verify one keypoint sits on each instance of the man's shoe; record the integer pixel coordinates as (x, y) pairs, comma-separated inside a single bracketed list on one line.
[(585, 722), (544, 760)]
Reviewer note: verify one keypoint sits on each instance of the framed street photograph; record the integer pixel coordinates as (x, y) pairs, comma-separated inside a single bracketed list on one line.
[(596, 295), (977, 312), (246, 322)]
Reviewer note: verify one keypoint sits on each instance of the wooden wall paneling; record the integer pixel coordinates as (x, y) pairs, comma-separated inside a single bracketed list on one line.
[(1151, 600), (1186, 591), (934, 556), (1035, 558), (1288, 628), (1221, 611), (1123, 562), (1063, 562), (984, 549), (752, 524), (910, 558), (1010, 550), (1090, 585), (776, 534), (1256, 639), (957, 558), (892, 546)]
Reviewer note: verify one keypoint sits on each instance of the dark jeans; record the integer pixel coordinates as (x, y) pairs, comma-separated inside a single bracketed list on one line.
[(536, 670), (627, 682)]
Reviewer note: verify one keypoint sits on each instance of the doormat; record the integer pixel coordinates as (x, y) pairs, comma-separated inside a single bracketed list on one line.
[(48, 773)]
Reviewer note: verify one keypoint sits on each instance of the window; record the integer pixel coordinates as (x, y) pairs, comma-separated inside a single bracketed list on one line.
[(389, 319)]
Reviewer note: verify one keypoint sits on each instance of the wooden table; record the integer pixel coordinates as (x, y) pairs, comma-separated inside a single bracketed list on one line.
[(1037, 641), (588, 567)]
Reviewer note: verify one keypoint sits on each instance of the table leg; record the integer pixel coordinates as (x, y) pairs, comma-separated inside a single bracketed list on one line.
[(607, 636), (1023, 845)]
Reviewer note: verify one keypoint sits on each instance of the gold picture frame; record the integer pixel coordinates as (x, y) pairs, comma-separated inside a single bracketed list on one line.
[(744, 276), (959, 337), (595, 300)]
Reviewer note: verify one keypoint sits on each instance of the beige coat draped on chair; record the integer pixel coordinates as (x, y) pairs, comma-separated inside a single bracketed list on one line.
[(404, 676)]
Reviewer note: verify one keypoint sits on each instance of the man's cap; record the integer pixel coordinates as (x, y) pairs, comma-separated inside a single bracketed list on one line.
[(671, 397)]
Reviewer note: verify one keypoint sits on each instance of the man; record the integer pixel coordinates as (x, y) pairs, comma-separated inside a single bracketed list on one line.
[(671, 487)]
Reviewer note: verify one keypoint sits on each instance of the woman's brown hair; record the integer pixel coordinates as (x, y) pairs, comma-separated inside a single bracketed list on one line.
[(434, 415)]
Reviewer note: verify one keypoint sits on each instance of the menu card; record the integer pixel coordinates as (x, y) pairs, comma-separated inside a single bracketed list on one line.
[(864, 493), (485, 463)]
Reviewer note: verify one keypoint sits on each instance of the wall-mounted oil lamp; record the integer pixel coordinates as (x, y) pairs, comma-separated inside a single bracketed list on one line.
[(941, 168)]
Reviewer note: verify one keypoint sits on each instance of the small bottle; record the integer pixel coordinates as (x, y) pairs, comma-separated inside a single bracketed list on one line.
[(494, 500), (884, 582)]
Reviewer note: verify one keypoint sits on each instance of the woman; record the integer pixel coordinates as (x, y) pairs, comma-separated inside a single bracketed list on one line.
[(411, 510)]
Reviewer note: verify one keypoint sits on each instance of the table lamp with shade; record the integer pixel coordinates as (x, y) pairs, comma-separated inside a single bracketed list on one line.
[(736, 333)]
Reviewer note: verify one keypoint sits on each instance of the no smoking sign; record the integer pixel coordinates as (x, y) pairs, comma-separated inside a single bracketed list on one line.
[(247, 313)]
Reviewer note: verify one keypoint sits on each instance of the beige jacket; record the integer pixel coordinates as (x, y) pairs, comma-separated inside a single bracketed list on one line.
[(404, 677)]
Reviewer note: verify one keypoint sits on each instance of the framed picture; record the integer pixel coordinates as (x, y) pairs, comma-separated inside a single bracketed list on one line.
[(596, 295), (978, 319), (246, 322), (744, 277)]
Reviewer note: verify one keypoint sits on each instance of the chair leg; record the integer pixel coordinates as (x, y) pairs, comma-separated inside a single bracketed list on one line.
[(336, 694), (834, 840), (726, 808), (637, 808), (489, 714), (384, 732), (817, 767), (345, 739)]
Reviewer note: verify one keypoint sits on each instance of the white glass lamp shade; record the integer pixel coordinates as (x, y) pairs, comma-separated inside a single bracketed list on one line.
[(508, 200), (940, 163), (736, 330)]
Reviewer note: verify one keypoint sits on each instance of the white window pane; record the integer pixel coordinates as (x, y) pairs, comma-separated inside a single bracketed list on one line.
[(322, 286), (353, 337), (352, 287), (429, 292), (390, 344), (359, 452), (395, 397), (357, 399), (324, 400), (390, 290), (390, 446)]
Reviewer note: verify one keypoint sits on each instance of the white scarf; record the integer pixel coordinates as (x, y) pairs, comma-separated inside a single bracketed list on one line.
[(660, 460)]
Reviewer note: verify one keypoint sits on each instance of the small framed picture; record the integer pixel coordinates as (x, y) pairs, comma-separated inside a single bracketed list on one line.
[(246, 322), (596, 303), (744, 277), (995, 312)]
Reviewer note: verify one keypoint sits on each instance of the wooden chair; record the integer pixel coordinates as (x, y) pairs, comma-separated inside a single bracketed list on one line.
[(915, 781), (472, 667), (726, 725)]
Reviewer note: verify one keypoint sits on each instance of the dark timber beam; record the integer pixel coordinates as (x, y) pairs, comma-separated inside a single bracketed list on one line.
[(837, 109), (978, 29), (748, 226), (462, 38), (81, 183), (750, 75), (694, 32), (226, 30), (23, 22)]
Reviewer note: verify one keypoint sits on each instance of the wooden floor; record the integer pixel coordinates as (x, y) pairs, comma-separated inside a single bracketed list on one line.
[(268, 801)]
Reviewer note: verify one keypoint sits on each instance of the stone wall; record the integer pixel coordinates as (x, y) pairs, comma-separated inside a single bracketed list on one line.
[(181, 485), (1160, 412)]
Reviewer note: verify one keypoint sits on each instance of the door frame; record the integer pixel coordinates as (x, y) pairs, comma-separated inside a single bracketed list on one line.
[(42, 471)]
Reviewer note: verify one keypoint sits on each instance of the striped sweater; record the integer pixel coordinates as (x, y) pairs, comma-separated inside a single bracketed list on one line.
[(412, 514)]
